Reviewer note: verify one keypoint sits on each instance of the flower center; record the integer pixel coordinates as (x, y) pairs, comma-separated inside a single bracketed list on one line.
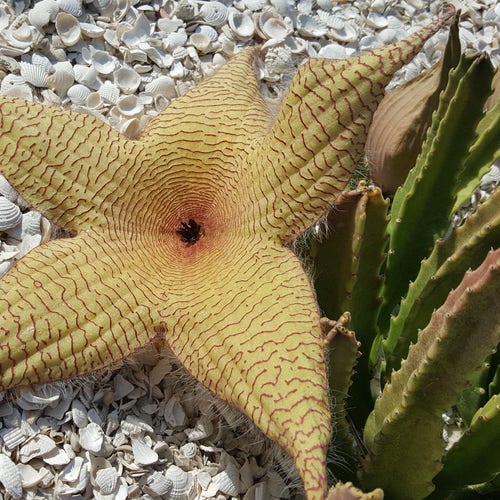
[(190, 232)]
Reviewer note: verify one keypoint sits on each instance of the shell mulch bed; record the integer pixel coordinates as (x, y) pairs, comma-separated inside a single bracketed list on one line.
[(147, 430)]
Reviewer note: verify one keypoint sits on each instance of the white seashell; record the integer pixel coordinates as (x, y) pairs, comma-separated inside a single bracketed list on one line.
[(103, 62), (57, 457), (202, 429), (143, 454), (13, 436), (30, 226), (39, 445), (186, 10), (10, 477), (214, 13), (200, 42), (109, 92), (73, 7), (42, 13), (91, 30), (241, 24), (21, 91), (183, 484), (271, 26), (4, 267), (8, 251), (78, 94), (135, 425), (7, 190), (91, 437), (175, 40), (325, 5), (310, 26), (159, 485), (62, 78), (34, 74), (279, 59), (177, 70), (106, 480), (376, 20), (79, 414), (127, 80), (163, 85), (86, 76), (342, 30), (4, 17), (174, 412), (169, 25), (333, 51), (141, 30), (10, 215), (31, 477), (188, 450), (254, 5), (228, 480), (29, 242), (132, 129), (284, 7), (68, 28), (208, 31)]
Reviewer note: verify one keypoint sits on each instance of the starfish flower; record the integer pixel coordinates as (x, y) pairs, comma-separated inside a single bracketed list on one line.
[(181, 237)]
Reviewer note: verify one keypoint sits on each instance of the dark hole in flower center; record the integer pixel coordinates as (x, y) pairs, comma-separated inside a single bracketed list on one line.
[(190, 231)]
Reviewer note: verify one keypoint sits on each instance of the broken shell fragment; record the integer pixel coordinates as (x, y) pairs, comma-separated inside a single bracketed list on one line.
[(68, 28), (10, 477), (10, 215)]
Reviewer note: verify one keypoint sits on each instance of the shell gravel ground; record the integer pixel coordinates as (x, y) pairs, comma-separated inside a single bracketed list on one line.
[(147, 430)]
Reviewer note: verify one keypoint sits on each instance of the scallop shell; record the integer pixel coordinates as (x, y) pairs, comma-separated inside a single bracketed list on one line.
[(241, 24), (78, 94), (10, 477), (109, 92), (91, 437), (73, 7), (143, 454), (106, 480), (10, 215), (62, 78), (183, 484), (127, 80), (34, 74), (68, 28), (131, 128), (159, 485), (214, 13), (310, 26)]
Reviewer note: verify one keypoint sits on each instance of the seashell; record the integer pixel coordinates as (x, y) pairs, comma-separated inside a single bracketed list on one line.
[(169, 25), (73, 7), (103, 62), (132, 129), (39, 445), (8, 251), (30, 226), (10, 477), (176, 39), (68, 28), (140, 32), (109, 92), (376, 20), (127, 80), (91, 30), (279, 59), (86, 76), (62, 78), (208, 31), (228, 480), (13, 437), (10, 215), (200, 42), (188, 450), (105, 480), (310, 26), (78, 94), (91, 437), (164, 366), (42, 13), (174, 413), (31, 477), (11, 81), (493, 176), (241, 24), (284, 7), (270, 26), (214, 13), (186, 10), (57, 457), (159, 485), (4, 267), (79, 414), (183, 483), (325, 5), (143, 454), (4, 17), (254, 5), (202, 429), (177, 70), (22, 91), (34, 74), (333, 51), (163, 85), (342, 30), (134, 425), (7, 190), (29, 242)]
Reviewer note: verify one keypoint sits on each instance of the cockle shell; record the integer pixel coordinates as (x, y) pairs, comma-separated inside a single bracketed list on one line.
[(10, 215), (271, 26), (127, 79), (43, 12), (208, 31), (91, 437), (176, 39), (143, 454), (214, 13), (130, 106), (78, 94), (109, 92), (73, 7), (10, 477), (13, 437), (103, 62), (183, 484), (30, 225), (68, 28), (34, 74), (310, 26), (7, 190), (200, 42), (159, 485), (62, 78), (86, 76), (228, 480)]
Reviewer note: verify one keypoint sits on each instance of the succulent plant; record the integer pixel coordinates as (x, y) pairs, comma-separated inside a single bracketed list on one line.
[(422, 294)]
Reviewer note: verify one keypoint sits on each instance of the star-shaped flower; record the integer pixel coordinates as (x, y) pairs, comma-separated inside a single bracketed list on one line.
[(181, 237)]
